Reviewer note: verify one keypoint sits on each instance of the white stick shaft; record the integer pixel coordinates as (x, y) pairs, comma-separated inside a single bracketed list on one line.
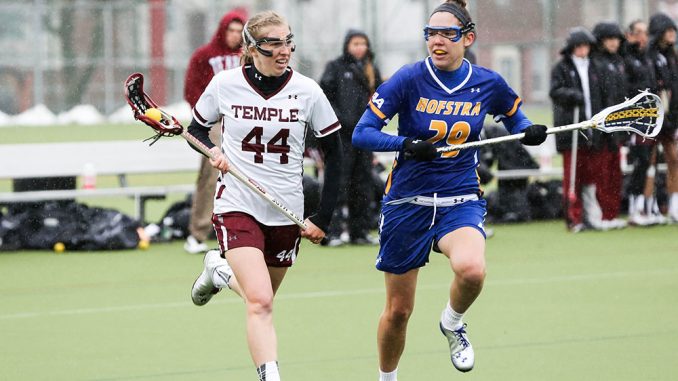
[(573, 156), (247, 182), (508, 138)]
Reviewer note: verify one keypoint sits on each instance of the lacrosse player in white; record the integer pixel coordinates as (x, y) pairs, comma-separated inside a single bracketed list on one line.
[(266, 109)]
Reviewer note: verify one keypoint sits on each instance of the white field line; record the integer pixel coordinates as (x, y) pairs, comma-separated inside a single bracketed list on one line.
[(343, 293)]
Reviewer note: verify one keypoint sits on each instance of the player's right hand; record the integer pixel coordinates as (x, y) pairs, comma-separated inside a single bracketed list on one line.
[(218, 159), (419, 150)]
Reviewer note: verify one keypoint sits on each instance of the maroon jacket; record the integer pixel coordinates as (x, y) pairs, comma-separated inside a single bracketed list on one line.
[(212, 58)]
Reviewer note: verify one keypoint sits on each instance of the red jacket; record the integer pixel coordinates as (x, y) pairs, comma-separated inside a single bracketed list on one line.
[(212, 58)]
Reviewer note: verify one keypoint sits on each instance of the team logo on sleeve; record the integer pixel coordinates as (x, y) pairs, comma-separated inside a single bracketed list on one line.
[(376, 100)]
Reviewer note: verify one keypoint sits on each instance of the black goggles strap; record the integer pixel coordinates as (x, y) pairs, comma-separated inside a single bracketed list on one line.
[(466, 23)]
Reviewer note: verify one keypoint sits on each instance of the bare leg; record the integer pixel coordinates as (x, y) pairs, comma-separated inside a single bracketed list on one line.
[(254, 282), (671, 157), (465, 248), (400, 290)]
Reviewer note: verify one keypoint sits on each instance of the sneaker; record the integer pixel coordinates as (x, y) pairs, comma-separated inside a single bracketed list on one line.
[(613, 224), (203, 288), (332, 241), (639, 219), (193, 246), (367, 239), (576, 228), (659, 219), (461, 350)]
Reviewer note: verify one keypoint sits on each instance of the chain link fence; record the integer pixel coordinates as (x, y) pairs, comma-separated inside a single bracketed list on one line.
[(62, 53)]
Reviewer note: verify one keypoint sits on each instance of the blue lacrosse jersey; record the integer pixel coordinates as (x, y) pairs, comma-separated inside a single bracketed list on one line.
[(428, 110)]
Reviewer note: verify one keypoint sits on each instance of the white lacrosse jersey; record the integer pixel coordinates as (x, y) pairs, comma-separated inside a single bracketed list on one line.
[(263, 137)]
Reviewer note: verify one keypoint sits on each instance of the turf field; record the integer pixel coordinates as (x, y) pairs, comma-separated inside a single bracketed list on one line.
[(556, 306)]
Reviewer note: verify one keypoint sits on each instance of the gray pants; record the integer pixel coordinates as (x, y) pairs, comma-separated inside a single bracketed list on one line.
[(203, 198)]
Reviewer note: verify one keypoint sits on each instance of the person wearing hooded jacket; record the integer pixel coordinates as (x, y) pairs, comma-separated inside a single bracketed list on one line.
[(605, 195), (348, 82), (663, 54), (576, 94), (641, 151), (221, 53)]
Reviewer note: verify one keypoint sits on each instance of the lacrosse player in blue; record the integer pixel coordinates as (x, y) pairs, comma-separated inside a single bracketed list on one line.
[(433, 201)]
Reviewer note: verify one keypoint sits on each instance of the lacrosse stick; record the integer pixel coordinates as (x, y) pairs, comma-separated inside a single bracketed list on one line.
[(642, 115), (170, 126)]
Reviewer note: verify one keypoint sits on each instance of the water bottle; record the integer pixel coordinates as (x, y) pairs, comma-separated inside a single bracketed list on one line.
[(89, 176)]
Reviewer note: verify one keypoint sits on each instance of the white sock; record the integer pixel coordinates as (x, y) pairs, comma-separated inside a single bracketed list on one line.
[(390, 376), (269, 371), (450, 318), (673, 203)]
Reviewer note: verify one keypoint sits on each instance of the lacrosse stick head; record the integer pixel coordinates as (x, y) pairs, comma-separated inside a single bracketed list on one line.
[(140, 102), (642, 115)]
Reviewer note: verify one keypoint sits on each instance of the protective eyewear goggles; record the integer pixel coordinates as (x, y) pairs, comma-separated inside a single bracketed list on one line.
[(452, 33), (267, 45)]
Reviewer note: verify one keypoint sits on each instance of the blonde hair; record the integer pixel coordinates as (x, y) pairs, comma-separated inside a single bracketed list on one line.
[(252, 32)]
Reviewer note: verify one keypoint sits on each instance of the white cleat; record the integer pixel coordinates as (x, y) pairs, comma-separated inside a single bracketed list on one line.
[(461, 350), (193, 246), (203, 287), (638, 219)]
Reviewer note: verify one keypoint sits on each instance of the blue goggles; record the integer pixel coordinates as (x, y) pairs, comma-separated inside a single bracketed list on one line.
[(452, 33)]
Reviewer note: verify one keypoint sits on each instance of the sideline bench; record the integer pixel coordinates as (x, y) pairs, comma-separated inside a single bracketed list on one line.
[(120, 158)]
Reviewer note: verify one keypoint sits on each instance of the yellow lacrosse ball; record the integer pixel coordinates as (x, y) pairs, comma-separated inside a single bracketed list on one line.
[(143, 244), (154, 114), (59, 247)]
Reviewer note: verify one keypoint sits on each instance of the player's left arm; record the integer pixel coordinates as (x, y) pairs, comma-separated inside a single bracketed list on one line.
[(506, 107), (325, 127), (330, 145), (384, 104)]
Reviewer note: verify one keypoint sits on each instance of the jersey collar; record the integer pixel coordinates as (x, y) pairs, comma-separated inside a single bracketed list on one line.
[(441, 84)]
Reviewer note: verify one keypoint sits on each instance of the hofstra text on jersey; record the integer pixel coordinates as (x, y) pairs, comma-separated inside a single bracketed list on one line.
[(434, 106)]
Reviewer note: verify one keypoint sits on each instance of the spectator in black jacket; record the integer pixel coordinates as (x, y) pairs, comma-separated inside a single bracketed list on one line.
[(662, 52), (575, 92), (348, 82), (607, 187), (641, 186)]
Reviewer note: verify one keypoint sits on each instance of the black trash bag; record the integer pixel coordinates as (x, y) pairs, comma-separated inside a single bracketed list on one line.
[(75, 225), (546, 199), (11, 237), (175, 223), (105, 229), (509, 203)]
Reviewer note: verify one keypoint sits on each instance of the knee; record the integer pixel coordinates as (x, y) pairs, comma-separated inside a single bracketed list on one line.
[(471, 273), (398, 314), (259, 304)]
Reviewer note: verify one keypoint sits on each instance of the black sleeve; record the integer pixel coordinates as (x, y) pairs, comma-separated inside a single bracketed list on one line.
[(561, 91), (332, 154), (328, 83), (201, 133)]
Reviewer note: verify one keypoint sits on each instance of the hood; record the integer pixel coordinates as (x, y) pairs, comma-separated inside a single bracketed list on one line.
[(607, 29), (239, 14), (356, 33), (578, 36), (660, 23)]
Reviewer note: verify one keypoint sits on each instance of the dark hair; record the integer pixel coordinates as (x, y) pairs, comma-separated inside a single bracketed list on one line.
[(460, 3), (633, 24), (457, 8)]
